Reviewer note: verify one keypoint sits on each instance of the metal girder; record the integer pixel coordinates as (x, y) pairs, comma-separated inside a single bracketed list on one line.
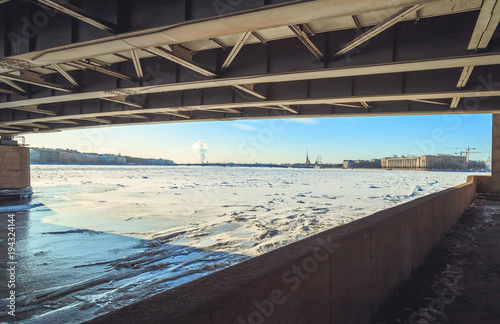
[(276, 104), (294, 13), (94, 67), (34, 109), (280, 107), (236, 49), (36, 125), (376, 30), (454, 102), (356, 22), (302, 36), (349, 105), (287, 108), (133, 116), (308, 30), (259, 37), (464, 77), (462, 81), (121, 100), (65, 74), (33, 81), (219, 42), (65, 122), (6, 91), (177, 59), (174, 113), (365, 104), (98, 63), (431, 102), (374, 69), (93, 119), (137, 64), (45, 131), (486, 24), (225, 110), (8, 127), (78, 13), (488, 20), (249, 89), (417, 16), (14, 85)]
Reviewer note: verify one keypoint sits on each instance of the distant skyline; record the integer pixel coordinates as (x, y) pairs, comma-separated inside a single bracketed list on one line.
[(284, 140)]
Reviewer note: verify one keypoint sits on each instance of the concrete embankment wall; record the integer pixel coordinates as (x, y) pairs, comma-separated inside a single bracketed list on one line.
[(14, 167), (342, 275), (483, 183)]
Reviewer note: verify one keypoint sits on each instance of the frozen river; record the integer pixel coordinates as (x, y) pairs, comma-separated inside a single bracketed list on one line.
[(96, 238)]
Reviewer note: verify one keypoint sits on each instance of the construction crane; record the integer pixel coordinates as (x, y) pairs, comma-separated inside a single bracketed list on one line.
[(466, 150)]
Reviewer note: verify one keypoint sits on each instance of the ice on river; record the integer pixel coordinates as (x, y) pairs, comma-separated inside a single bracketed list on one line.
[(96, 238)]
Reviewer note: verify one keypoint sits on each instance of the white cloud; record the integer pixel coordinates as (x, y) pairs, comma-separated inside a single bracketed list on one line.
[(245, 127)]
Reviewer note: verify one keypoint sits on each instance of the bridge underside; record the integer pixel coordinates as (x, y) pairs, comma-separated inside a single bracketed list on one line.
[(98, 63)]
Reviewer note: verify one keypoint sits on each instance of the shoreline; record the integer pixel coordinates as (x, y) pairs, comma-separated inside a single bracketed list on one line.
[(291, 166)]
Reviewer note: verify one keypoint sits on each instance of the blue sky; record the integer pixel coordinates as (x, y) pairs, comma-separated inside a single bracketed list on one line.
[(285, 140)]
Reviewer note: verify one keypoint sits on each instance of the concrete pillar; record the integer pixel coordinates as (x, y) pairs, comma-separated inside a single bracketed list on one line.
[(495, 155), (15, 180)]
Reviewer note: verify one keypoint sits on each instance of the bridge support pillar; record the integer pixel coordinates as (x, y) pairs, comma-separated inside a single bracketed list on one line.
[(495, 155), (15, 180)]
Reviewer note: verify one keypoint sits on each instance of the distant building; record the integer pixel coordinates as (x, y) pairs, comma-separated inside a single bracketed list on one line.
[(43, 155), (89, 159), (348, 164), (70, 157), (427, 162), (121, 160), (163, 162), (49, 156), (34, 155), (307, 158), (366, 164), (479, 165)]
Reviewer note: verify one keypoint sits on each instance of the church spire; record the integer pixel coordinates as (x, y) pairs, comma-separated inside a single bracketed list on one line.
[(307, 157)]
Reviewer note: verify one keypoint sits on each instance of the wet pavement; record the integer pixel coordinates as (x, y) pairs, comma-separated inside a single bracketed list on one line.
[(460, 279)]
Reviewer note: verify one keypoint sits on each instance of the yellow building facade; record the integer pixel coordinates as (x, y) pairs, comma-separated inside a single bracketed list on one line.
[(428, 162)]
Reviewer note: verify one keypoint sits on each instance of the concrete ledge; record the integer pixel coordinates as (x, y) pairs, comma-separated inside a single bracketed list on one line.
[(343, 275), (483, 183)]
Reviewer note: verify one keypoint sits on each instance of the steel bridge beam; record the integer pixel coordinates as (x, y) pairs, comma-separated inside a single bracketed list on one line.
[(272, 75), (363, 70), (33, 81), (487, 23), (285, 14), (80, 14), (284, 104), (376, 30)]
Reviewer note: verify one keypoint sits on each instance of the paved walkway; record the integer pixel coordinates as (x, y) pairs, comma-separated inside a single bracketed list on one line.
[(460, 280)]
